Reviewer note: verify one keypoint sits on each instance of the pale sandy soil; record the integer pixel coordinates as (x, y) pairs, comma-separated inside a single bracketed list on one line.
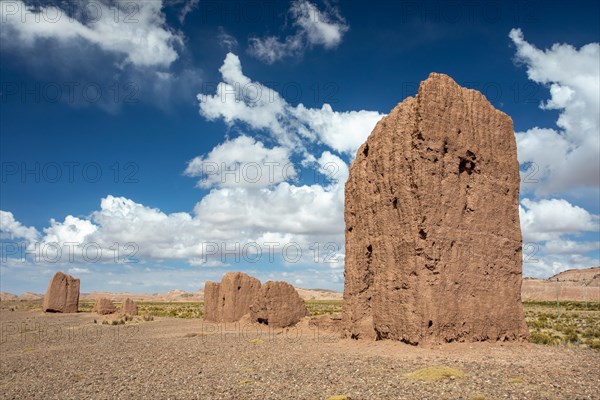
[(53, 356)]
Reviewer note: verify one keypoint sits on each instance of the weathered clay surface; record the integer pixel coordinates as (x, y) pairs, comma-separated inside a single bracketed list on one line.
[(236, 293), (433, 242), (62, 294), (104, 306), (129, 307), (326, 323), (278, 304), (211, 301)]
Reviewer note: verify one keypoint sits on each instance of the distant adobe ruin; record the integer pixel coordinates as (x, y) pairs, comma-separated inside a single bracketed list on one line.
[(276, 304), (229, 300), (62, 294)]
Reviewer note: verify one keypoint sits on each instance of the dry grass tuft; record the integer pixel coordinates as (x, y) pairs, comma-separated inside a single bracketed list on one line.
[(437, 373), (194, 334)]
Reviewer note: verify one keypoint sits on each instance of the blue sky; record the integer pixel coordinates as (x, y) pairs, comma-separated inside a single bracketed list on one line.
[(118, 119)]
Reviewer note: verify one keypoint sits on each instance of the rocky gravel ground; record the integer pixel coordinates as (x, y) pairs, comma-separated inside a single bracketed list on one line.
[(53, 356)]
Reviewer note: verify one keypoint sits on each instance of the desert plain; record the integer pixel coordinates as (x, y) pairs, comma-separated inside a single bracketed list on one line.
[(169, 352)]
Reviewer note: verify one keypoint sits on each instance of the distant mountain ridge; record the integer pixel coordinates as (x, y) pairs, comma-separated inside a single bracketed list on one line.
[(573, 284), (172, 295)]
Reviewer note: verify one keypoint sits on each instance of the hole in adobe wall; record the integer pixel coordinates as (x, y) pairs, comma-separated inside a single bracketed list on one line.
[(430, 324), (395, 203), (350, 229), (239, 287), (408, 341), (369, 249), (263, 321), (422, 234), (466, 166), (366, 150), (445, 148)]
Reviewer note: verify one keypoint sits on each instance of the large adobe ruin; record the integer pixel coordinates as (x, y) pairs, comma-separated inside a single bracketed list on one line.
[(433, 242), (276, 304), (62, 294), (229, 300)]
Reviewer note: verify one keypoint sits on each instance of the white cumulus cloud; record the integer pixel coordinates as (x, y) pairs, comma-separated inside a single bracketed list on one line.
[(241, 162), (314, 27), (567, 157), (13, 229), (71, 230), (552, 219), (286, 208), (238, 99), (225, 223), (136, 29), (570, 247)]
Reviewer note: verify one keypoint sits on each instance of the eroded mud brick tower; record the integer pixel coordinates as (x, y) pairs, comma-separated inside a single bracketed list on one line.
[(433, 241)]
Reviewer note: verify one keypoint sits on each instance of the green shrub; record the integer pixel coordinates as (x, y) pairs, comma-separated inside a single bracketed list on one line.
[(542, 338)]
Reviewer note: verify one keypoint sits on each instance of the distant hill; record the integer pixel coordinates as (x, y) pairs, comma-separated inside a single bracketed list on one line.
[(586, 277), (31, 296), (7, 296), (182, 295), (173, 295), (573, 284), (319, 294), (25, 296)]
